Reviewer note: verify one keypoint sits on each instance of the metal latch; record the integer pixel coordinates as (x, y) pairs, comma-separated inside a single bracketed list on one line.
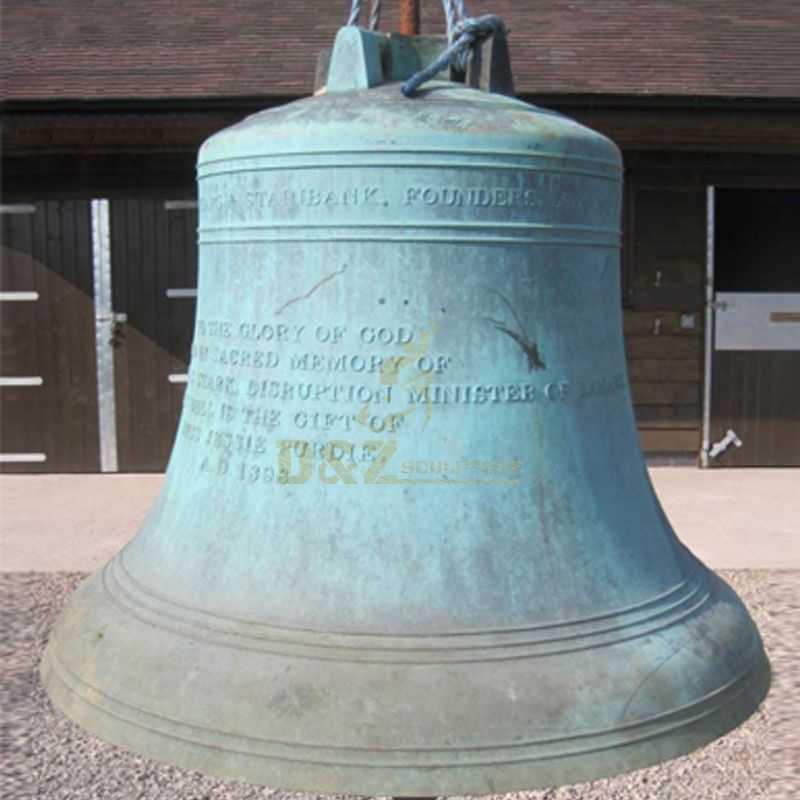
[(116, 330), (730, 438), (115, 316)]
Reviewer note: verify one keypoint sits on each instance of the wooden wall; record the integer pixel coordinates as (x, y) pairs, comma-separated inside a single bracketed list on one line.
[(153, 250), (664, 257), (664, 269), (48, 405), (665, 369), (664, 272)]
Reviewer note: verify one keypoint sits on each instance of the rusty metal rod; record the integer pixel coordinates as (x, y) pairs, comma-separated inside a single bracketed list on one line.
[(409, 17)]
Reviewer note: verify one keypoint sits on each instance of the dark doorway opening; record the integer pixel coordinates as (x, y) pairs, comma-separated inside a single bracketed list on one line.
[(755, 389)]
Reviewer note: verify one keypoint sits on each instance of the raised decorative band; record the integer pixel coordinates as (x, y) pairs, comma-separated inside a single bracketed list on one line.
[(609, 628), (455, 159)]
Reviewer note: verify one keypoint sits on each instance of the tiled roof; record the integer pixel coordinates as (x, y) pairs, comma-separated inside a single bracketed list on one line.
[(140, 49)]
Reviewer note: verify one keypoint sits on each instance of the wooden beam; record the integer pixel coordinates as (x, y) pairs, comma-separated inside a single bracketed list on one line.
[(666, 441), (409, 17)]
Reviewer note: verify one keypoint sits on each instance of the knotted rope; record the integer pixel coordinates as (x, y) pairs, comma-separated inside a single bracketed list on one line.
[(455, 11), (463, 33), (467, 33)]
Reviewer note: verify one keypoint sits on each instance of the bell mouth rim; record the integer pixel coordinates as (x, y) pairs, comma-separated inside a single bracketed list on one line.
[(661, 737), (675, 605)]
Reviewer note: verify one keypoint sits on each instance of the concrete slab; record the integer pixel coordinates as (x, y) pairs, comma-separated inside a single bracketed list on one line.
[(734, 518), (51, 523), (731, 519)]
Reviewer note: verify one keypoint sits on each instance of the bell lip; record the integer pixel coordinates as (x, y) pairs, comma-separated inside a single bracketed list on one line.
[(393, 781), (148, 737)]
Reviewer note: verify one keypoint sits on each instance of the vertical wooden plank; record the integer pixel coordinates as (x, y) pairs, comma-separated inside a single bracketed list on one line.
[(184, 259), (186, 323), (409, 17), (163, 406), (20, 407), (70, 368), (664, 265), (54, 374), (141, 370), (44, 332), (156, 258), (757, 395), (89, 450), (120, 302), (138, 375), (57, 418), (150, 427)]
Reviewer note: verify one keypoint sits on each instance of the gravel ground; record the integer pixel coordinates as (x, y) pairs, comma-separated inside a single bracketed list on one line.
[(46, 756)]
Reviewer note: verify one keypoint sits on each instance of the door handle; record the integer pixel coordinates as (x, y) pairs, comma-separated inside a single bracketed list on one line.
[(730, 438), (784, 316)]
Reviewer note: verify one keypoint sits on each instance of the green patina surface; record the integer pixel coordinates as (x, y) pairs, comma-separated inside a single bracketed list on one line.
[(407, 543)]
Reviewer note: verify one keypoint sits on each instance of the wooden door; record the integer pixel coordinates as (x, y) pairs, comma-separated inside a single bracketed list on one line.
[(154, 280), (48, 388), (755, 388), (665, 270)]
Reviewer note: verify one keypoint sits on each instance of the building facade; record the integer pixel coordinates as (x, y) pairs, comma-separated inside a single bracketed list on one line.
[(106, 104)]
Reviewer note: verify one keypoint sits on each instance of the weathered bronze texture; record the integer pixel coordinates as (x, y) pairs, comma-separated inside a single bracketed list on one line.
[(407, 543)]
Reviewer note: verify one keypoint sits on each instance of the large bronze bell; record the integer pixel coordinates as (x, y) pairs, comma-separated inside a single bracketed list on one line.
[(407, 543)]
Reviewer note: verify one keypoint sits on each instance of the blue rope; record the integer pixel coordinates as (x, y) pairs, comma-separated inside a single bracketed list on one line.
[(374, 14), (451, 16), (455, 11), (468, 33), (355, 12)]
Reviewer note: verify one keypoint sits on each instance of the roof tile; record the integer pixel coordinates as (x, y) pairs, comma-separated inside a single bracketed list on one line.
[(157, 49)]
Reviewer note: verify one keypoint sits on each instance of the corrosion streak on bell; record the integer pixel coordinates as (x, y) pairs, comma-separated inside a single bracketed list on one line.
[(530, 348), (311, 291)]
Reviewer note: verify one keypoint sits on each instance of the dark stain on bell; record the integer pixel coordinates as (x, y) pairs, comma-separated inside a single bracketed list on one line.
[(296, 701), (519, 335)]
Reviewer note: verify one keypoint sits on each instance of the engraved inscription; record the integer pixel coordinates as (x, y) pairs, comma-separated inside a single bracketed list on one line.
[(472, 197), (241, 400), (245, 204), (357, 193), (261, 391), (239, 203)]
